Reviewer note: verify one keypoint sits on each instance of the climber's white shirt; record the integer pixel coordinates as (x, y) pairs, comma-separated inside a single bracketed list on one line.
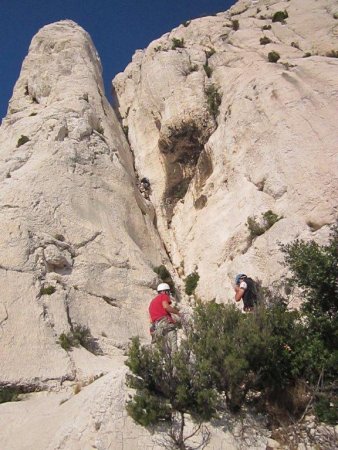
[(243, 285)]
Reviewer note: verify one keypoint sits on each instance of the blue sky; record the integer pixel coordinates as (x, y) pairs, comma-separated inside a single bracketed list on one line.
[(117, 27)]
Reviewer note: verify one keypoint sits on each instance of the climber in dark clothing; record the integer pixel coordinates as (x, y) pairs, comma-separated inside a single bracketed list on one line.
[(245, 289)]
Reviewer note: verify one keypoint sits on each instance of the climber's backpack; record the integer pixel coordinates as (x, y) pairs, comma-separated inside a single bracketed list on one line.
[(250, 293)]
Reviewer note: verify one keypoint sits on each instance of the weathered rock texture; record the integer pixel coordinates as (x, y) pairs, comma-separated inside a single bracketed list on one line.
[(271, 144), (218, 143), (71, 215)]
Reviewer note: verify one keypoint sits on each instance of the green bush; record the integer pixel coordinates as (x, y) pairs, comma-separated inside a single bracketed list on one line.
[(307, 55), (254, 227), (8, 394), (326, 408), (207, 70), (281, 358), (177, 43), (22, 140), (125, 129), (269, 218), (164, 275), (264, 40), (80, 335), (100, 129), (214, 100), (332, 54), (247, 352), (193, 68), (168, 388), (280, 16), (235, 24), (59, 237), (273, 57), (65, 340), (266, 27), (191, 283), (48, 290), (315, 269)]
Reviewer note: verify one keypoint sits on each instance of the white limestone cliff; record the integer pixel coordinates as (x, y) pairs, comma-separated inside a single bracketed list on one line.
[(75, 225), (71, 215), (271, 146)]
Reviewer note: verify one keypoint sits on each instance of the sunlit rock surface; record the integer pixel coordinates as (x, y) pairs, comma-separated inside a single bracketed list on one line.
[(270, 145), (81, 234)]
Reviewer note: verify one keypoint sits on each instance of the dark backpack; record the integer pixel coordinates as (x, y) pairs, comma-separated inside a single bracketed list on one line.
[(250, 293)]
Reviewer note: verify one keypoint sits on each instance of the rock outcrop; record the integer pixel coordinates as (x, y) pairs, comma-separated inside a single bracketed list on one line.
[(223, 135), (78, 241), (216, 133)]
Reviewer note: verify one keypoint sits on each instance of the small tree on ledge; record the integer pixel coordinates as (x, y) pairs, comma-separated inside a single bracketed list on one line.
[(169, 388)]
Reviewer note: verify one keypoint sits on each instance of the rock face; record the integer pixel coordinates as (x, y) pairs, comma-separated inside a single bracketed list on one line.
[(219, 134), (73, 222), (223, 135)]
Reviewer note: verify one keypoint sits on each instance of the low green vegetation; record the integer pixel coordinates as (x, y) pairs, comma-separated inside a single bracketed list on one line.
[(257, 228), (190, 69), (270, 218), (307, 55), (100, 129), (207, 70), (125, 129), (266, 27), (326, 408), (264, 40), (80, 335), (8, 394), (295, 45), (214, 100), (235, 24), (274, 361), (59, 237), (47, 290), (332, 54), (163, 273), (177, 43), (280, 16), (191, 283), (168, 388), (273, 57), (165, 276), (22, 140)]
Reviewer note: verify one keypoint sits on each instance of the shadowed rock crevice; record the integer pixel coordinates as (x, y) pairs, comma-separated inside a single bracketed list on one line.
[(183, 148)]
